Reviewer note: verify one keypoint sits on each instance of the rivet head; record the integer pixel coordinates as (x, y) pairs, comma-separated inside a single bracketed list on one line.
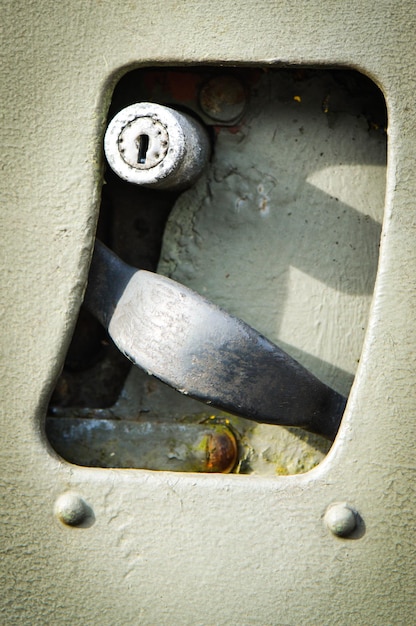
[(71, 509), (223, 98), (341, 519)]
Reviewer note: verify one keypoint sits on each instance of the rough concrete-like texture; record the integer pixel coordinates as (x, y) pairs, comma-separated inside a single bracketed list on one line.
[(163, 548)]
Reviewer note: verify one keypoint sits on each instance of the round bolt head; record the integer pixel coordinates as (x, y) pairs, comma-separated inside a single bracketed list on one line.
[(71, 509), (223, 98), (341, 519), (221, 451)]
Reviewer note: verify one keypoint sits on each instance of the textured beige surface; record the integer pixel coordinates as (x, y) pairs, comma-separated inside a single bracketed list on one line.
[(192, 549)]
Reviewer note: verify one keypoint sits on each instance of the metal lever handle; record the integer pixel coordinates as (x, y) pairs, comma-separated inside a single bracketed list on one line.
[(202, 351)]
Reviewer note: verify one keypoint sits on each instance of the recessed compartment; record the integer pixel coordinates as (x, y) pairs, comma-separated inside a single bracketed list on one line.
[(281, 229)]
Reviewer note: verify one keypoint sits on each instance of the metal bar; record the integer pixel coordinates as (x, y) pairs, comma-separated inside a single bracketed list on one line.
[(202, 351)]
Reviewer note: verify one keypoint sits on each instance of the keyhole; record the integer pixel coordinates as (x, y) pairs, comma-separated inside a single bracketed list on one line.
[(143, 145)]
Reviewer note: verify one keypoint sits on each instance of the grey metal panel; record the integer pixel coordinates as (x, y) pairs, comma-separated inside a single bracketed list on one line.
[(164, 548)]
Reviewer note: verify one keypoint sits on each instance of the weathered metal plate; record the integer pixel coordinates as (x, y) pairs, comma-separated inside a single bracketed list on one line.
[(183, 548)]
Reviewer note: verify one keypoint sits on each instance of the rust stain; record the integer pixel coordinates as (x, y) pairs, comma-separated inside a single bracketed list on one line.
[(221, 452), (182, 86)]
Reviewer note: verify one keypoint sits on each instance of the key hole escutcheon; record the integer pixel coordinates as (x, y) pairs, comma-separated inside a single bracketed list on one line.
[(142, 142)]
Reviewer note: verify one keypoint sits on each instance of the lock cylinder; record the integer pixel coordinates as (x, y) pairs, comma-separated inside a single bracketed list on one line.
[(155, 146)]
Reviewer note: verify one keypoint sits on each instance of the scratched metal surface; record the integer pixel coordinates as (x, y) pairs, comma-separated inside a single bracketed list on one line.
[(189, 549)]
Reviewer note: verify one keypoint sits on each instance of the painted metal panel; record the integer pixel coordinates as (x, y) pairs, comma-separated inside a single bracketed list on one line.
[(159, 548)]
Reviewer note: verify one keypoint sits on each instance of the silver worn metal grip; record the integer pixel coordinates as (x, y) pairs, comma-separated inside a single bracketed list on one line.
[(155, 146), (203, 351)]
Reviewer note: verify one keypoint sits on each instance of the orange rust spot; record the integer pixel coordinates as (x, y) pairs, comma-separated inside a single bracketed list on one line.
[(221, 452), (182, 86)]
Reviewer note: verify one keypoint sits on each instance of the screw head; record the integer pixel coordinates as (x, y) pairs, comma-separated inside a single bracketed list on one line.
[(221, 451), (71, 509), (341, 519), (223, 98)]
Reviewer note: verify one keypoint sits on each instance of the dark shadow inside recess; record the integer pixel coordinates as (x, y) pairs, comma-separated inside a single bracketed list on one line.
[(324, 112)]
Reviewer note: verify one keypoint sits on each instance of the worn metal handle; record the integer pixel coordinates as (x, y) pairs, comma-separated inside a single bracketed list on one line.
[(204, 352)]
